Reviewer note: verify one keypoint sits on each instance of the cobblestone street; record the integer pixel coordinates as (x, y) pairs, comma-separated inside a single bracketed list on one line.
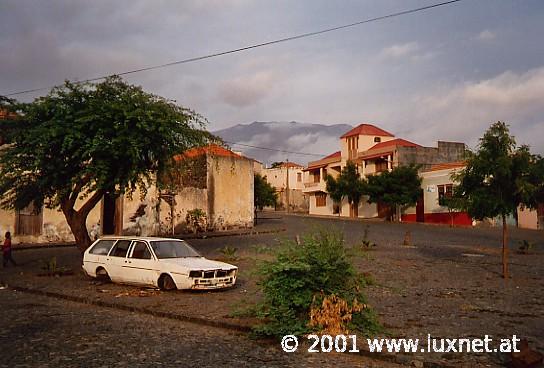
[(44, 332)]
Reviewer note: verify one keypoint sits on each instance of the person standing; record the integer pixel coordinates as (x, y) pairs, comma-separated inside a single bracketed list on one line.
[(6, 251)]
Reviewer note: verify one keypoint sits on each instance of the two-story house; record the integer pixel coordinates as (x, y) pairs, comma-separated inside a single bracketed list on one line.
[(288, 180), (373, 150)]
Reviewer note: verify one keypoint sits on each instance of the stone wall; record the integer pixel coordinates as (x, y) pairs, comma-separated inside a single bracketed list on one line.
[(427, 156), (230, 202)]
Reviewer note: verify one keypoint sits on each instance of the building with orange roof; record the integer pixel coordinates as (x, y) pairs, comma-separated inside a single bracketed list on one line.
[(212, 179), (437, 183), (373, 150), (217, 181), (288, 179)]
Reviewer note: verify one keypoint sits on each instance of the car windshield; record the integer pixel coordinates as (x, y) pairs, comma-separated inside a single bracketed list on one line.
[(173, 249)]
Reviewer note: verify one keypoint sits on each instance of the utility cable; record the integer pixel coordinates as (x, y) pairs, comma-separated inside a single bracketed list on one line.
[(245, 48)]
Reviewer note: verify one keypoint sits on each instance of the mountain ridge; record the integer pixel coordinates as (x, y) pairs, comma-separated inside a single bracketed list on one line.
[(278, 140)]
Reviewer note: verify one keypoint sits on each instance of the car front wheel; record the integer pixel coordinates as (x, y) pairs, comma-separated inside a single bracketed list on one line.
[(166, 283)]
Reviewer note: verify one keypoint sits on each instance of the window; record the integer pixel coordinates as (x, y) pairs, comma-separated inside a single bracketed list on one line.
[(102, 247), (173, 249), (141, 251), (444, 191), (377, 139), (299, 177), (317, 176), (120, 248), (320, 199), (381, 166), (353, 146)]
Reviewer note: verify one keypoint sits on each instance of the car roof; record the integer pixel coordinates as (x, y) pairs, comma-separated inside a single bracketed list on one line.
[(145, 238)]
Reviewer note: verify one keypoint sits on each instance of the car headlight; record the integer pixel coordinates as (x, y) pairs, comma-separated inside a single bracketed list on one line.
[(195, 274)]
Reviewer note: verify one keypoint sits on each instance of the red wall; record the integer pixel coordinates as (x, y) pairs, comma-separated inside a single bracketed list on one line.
[(459, 218)]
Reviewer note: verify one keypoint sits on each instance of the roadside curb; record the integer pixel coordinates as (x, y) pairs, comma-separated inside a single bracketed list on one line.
[(225, 234), (401, 359), (186, 236)]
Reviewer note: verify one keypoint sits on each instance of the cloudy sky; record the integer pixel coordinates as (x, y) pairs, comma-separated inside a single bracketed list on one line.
[(445, 73)]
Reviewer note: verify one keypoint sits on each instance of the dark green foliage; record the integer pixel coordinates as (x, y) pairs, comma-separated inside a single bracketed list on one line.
[(498, 178), (264, 193), (348, 184), (81, 141), (318, 267), (398, 187)]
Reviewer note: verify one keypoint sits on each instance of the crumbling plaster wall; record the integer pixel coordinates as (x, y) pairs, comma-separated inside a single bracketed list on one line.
[(426, 156), (230, 193), (54, 226)]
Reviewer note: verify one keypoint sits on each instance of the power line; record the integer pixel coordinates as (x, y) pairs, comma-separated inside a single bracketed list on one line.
[(315, 154), (245, 48), (276, 150)]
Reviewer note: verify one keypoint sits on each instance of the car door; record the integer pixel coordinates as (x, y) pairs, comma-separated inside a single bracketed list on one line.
[(117, 258), (141, 267)]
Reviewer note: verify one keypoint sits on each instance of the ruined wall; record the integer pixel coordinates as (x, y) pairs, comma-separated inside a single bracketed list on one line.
[(298, 201), (54, 227), (230, 193), (426, 156), (141, 213)]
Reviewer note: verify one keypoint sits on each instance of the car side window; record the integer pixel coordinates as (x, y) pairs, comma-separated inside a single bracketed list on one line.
[(102, 247), (140, 251), (120, 248)]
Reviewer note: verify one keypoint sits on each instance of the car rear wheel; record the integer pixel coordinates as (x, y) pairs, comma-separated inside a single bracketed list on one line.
[(166, 283), (102, 275)]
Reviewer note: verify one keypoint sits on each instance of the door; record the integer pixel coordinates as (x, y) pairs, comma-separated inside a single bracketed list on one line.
[(420, 208), (141, 268), (112, 214), (117, 259)]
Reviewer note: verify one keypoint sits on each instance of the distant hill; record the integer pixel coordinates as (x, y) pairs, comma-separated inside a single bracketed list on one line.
[(288, 136)]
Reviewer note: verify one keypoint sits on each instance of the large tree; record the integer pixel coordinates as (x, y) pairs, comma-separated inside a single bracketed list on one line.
[(348, 184), (498, 178), (398, 188), (82, 141), (264, 194)]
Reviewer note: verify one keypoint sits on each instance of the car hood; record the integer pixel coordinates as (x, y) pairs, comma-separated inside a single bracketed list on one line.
[(197, 263)]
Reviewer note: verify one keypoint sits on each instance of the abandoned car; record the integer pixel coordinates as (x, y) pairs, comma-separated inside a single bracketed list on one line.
[(165, 263)]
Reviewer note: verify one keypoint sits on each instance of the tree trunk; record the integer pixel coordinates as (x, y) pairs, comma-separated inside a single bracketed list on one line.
[(398, 212), (78, 226), (504, 248), (77, 220)]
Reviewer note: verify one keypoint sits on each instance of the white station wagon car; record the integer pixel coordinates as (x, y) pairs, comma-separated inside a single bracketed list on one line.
[(166, 263)]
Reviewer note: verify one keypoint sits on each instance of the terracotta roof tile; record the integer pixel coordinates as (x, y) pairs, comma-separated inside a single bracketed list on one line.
[(332, 155), (394, 142), (367, 129), (212, 149)]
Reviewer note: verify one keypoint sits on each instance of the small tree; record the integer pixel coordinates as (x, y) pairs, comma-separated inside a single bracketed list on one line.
[(398, 188), (264, 193), (82, 141), (349, 184), (498, 178)]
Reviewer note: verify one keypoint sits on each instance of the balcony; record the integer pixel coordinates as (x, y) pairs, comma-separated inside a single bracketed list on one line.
[(314, 187)]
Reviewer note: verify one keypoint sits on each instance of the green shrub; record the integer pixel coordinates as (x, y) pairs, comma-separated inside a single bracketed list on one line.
[(196, 220), (229, 253), (301, 277)]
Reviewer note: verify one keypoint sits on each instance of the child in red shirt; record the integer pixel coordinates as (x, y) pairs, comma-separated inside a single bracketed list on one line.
[(6, 251)]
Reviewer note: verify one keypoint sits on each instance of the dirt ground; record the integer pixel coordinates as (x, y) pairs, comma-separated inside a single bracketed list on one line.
[(446, 284)]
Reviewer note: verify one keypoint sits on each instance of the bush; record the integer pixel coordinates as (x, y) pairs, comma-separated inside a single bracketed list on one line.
[(304, 279), (196, 220)]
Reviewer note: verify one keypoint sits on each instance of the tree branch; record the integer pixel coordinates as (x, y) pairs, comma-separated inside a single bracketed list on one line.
[(91, 202)]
